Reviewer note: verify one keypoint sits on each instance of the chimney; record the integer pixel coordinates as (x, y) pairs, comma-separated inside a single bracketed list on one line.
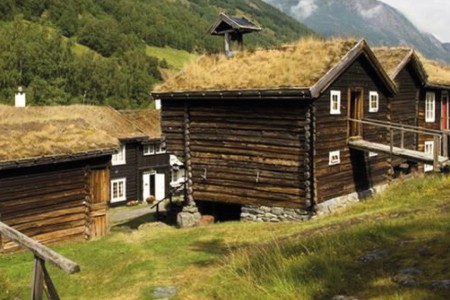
[(20, 100)]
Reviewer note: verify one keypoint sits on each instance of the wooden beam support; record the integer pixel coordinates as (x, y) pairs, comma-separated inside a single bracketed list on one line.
[(39, 250), (188, 157)]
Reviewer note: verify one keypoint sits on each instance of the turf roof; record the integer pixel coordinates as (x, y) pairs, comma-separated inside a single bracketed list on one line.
[(49, 131), (298, 65), (147, 120)]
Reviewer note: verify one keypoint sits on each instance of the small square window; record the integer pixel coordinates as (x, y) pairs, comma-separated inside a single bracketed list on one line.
[(335, 158), (149, 149), (119, 158), (335, 103), (373, 101)]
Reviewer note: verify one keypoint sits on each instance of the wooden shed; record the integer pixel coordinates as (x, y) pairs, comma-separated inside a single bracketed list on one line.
[(151, 162), (272, 127), (54, 173)]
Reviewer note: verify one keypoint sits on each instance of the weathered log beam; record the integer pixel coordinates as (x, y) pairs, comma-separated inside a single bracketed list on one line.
[(39, 250)]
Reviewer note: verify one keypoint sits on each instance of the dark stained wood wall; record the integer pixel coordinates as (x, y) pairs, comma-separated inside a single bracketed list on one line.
[(231, 142), (436, 125), (50, 203), (403, 107), (357, 171)]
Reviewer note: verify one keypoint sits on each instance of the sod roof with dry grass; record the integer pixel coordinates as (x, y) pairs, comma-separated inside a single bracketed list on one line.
[(147, 120), (297, 65), (35, 132), (391, 58), (438, 73)]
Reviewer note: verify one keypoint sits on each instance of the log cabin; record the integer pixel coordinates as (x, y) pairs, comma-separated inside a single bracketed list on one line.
[(433, 108), (152, 168), (271, 128), (54, 172), (405, 68)]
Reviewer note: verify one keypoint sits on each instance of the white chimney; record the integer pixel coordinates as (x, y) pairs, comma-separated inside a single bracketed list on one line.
[(20, 100), (158, 103)]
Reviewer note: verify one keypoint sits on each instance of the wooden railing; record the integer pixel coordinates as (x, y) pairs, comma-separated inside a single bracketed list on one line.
[(41, 279), (440, 138), (169, 197)]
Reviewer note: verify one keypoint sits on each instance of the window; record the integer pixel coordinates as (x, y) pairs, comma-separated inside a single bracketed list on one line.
[(335, 158), (118, 190), (335, 103), (429, 148), (149, 149), (430, 102), (119, 157), (373, 101)]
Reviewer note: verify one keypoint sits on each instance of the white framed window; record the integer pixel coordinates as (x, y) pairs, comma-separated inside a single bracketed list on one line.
[(149, 149), (119, 157), (334, 158), (335, 102), (430, 107), (118, 190), (373, 101), (428, 148), (372, 154)]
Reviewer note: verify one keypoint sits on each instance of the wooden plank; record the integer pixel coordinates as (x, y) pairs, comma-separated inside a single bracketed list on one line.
[(39, 250)]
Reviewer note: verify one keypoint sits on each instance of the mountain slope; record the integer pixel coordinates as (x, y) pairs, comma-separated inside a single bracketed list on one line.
[(41, 40), (373, 20)]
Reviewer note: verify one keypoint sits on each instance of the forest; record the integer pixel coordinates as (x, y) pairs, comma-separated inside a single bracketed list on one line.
[(86, 51)]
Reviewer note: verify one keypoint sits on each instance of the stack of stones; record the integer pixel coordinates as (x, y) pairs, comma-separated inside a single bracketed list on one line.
[(272, 214)]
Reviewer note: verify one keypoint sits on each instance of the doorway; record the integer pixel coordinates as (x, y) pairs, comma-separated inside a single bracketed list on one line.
[(153, 184), (355, 112)]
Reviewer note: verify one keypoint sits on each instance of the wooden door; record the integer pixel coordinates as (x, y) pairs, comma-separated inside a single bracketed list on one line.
[(355, 112), (98, 203), (444, 111)]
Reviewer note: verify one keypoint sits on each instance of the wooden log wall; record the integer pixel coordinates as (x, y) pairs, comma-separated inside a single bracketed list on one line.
[(356, 171), (47, 203), (243, 152)]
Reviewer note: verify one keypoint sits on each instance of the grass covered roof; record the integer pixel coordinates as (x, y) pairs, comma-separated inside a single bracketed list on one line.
[(147, 120), (438, 73), (35, 132), (391, 58), (297, 65)]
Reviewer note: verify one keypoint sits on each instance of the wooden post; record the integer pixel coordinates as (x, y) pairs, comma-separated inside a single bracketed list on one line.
[(52, 294), (444, 144), (37, 284), (227, 41), (436, 152), (402, 138), (187, 152)]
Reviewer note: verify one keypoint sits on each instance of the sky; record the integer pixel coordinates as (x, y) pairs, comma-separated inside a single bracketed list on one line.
[(431, 16)]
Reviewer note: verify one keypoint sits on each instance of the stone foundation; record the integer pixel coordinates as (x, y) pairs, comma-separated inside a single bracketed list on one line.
[(188, 217), (334, 204), (279, 214), (272, 214)]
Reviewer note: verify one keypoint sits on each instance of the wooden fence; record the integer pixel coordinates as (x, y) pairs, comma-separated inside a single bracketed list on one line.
[(41, 279)]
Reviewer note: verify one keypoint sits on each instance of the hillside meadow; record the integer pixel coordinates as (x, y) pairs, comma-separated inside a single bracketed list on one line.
[(391, 246)]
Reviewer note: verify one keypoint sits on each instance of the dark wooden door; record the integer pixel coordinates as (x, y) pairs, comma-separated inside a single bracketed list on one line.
[(356, 112)]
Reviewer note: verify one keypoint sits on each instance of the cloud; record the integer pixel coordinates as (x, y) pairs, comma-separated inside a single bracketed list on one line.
[(304, 9), (431, 16)]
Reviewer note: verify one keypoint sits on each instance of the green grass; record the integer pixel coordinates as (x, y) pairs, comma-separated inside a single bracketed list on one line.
[(311, 260), (175, 58)]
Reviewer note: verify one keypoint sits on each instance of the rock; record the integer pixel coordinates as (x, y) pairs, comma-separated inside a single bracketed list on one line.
[(166, 292), (250, 210), (185, 219), (278, 211), (152, 225), (269, 215), (265, 209), (406, 277), (190, 209), (343, 297), (441, 284), (374, 255)]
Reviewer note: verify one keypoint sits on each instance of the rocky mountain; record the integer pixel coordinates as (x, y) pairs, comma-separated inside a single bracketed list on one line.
[(373, 20), (446, 46)]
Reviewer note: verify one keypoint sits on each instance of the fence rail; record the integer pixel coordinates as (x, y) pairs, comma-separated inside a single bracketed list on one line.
[(41, 281)]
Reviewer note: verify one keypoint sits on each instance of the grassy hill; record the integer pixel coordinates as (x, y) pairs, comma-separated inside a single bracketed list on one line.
[(392, 246), (117, 49)]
